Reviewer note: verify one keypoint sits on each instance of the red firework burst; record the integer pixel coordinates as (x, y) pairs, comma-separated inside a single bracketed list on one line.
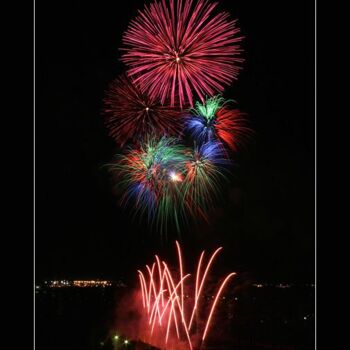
[(131, 113), (230, 127), (178, 47)]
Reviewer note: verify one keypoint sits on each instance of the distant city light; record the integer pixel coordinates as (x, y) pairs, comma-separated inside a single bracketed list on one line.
[(92, 283), (116, 337), (126, 341), (80, 284), (279, 285)]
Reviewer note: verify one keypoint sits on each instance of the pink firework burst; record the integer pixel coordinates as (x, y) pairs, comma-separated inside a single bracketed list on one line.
[(177, 47), (176, 315), (131, 113)]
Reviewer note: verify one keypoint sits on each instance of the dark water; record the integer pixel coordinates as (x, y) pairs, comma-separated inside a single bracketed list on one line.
[(73, 318), (253, 319)]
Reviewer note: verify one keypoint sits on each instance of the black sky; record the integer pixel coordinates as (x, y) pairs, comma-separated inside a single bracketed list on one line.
[(266, 219)]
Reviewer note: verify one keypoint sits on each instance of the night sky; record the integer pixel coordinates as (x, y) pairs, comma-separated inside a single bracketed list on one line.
[(265, 220)]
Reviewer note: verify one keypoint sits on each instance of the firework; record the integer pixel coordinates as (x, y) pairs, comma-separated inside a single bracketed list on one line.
[(175, 49), (168, 182), (204, 170), (169, 311), (131, 113), (214, 119), (151, 176)]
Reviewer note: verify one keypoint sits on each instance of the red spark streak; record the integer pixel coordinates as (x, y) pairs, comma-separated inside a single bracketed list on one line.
[(142, 289), (175, 47), (215, 302), (179, 306), (202, 283), (161, 276), (181, 274)]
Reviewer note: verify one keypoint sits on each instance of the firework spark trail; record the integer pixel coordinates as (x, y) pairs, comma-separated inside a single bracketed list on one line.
[(152, 286), (181, 275), (172, 299), (197, 284), (161, 314), (161, 276), (179, 304), (173, 293), (164, 285), (172, 314), (215, 302), (142, 288), (202, 283), (157, 297), (155, 309), (177, 48)]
